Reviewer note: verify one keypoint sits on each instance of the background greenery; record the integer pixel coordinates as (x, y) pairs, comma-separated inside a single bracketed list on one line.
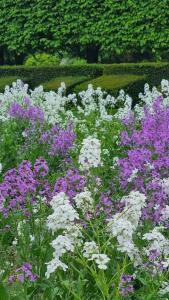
[(102, 30)]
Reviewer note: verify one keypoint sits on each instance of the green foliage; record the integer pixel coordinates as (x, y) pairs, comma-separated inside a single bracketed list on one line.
[(86, 70), (9, 144), (3, 292), (130, 27), (77, 61), (42, 59)]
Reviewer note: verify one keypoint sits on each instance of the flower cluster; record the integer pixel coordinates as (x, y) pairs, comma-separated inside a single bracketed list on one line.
[(71, 184), (21, 185), (157, 249), (124, 224), (26, 112), (91, 252), (58, 140), (126, 285), (164, 288), (90, 153), (23, 273), (63, 218), (84, 201), (105, 205), (146, 161), (69, 214)]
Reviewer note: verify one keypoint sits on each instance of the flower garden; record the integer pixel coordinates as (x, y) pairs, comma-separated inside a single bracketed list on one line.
[(84, 194)]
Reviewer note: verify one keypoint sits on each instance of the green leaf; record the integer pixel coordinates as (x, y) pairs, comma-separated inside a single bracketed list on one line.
[(3, 293)]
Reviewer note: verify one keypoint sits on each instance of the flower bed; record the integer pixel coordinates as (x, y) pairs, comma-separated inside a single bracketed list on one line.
[(84, 194)]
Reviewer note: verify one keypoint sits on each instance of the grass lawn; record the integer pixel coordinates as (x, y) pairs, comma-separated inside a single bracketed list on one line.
[(70, 81), (110, 82)]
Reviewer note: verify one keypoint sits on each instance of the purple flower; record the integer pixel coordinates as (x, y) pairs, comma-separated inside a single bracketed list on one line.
[(105, 205), (126, 286), (58, 140), (146, 149), (26, 112), (71, 184), (23, 273), (22, 184), (154, 254)]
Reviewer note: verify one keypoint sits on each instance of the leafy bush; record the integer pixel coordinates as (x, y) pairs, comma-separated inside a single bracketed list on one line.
[(41, 59), (77, 61), (127, 28)]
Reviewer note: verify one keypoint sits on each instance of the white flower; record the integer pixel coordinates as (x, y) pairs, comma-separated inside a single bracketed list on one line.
[(62, 244), (32, 237), (115, 162), (157, 241), (89, 249), (133, 175), (24, 134), (165, 185), (84, 201), (20, 227), (15, 242), (64, 213), (101, 260), (0, 168), (90, 154), (53, 265), (91, 252), (165, 212), (164, 289), (124, 224), (63, 220)]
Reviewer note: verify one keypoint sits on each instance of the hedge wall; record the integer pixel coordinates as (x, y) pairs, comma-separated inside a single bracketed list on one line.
[(38, 75), (153, 72)]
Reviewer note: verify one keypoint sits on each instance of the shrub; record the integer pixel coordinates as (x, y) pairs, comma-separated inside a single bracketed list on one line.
[(42, 59), (77, 61)]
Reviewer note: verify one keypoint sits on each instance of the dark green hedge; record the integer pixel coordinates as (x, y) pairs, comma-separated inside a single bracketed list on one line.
[(153, 72), (38, 75), (137, 68)]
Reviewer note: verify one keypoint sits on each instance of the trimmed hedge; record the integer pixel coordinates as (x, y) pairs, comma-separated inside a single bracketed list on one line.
[(38, 75), (111, 82), (70, 81), (153, 73), (138, 68), (132, 84)]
